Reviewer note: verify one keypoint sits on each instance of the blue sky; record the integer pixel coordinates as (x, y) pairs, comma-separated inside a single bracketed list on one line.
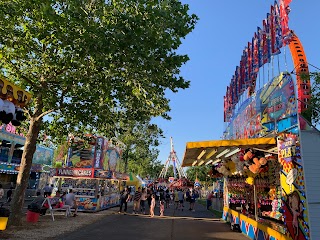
[(214, 48)]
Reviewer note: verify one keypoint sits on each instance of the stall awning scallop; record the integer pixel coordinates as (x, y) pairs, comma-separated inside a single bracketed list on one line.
[(199, 153), (13, 93)]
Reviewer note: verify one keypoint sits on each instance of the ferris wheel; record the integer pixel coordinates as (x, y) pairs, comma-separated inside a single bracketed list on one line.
[(174, 161)]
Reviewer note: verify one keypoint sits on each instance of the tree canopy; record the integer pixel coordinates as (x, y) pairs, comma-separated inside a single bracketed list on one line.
[(90, 64), (313, 111)]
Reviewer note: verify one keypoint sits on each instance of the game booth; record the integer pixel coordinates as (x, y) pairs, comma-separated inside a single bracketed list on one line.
[(269, 155), (271, 179), (92, 173)]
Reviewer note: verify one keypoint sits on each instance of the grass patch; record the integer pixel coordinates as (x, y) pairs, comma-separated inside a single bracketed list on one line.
[(217, 213)]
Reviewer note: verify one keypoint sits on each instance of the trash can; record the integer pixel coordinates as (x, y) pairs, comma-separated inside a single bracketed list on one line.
[(33, 213), (4, 215), (32, 216)]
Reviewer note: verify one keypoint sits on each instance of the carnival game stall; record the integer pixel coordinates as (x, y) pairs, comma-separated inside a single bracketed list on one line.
[(268, 159), (91, 173), (269, 155)]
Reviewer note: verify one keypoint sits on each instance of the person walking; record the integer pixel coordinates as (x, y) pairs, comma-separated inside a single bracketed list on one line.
[(149, 193), (152, 206), (136, 200), (192, 199), (181, 199), (143, 201), (161, 208), (176, 199), (167, 198), (124, 199), (209, 199)]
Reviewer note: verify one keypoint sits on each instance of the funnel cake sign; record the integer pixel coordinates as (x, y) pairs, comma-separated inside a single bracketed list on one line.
[(75, 172)]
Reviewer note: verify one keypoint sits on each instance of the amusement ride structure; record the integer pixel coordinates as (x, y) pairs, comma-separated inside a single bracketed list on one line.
[(269, 149), (174, 161)]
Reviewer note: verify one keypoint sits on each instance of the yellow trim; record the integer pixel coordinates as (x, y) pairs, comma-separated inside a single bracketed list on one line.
[(231, 143), (215, 148), (270, 231), (25, 97)]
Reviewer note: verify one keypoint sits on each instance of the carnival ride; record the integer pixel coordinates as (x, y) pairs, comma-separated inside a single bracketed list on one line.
[(173, 160), (277, 186)]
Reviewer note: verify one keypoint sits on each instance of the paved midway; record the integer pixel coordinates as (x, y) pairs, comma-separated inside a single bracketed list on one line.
[(175, 225)]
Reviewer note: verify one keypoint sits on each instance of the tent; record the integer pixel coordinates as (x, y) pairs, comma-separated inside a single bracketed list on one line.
[(133, 181)]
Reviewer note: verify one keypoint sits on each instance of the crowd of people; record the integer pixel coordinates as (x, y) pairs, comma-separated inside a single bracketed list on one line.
[(148, 198)]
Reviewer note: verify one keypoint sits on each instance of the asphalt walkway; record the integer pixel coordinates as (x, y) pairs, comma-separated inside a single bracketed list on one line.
[(175, 225)]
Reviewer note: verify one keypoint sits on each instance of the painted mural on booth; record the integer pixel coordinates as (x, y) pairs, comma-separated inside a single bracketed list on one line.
[(294, 204), (272, 107)]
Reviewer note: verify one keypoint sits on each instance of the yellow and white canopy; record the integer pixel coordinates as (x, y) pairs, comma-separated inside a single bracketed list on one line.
[(206, 152)]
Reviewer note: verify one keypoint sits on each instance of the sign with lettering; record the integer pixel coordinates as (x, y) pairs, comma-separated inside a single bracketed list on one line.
[(98, 156), (75, 172), (286, 148), (10, 129), (265, 111)]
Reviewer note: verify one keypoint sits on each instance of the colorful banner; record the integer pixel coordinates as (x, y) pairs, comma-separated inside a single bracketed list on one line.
[(75, 172), (98, 155), (13, 168), (267, 41), (294, 200), (80, 155), (112, 157), (87, 204), (273, 107)]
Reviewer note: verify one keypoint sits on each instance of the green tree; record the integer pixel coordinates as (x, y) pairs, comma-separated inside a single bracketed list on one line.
[(89, 64), (141, 138), (200, 172), (313, 111)]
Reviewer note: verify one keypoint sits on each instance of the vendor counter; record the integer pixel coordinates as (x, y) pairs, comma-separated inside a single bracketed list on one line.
[(92, 204), (257, 230), (92, 194)]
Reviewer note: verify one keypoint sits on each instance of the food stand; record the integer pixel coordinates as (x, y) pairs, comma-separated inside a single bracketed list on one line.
[(91, 173), (268, 159)]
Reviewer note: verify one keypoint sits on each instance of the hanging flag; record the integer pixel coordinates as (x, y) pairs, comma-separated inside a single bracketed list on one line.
[(224, 109), (260, 46), (285, 2), (255, 54), (278, 29), (234, 91), (286, 33), (249, 60), (265, 56), (242, 71), (246, 67), (274, 49), (268, 35), (238, 80)]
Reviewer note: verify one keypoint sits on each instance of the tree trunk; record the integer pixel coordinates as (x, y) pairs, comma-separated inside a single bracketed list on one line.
[(125, 158), (24, 172)]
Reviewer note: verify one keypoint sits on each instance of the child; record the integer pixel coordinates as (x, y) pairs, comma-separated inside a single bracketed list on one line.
[(161, 208), (153, 204)]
